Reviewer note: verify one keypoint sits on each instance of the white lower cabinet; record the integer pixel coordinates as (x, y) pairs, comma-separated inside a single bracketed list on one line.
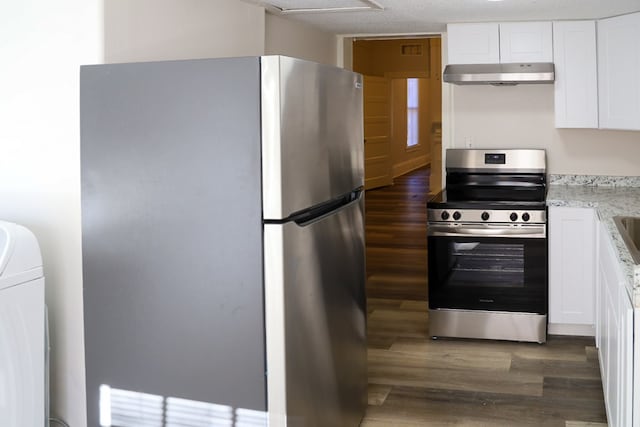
[(614, 334), (636, 368), (587, 295), (572, 271)]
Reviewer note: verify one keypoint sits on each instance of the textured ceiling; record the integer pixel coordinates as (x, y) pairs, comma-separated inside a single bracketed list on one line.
[(426, 16)]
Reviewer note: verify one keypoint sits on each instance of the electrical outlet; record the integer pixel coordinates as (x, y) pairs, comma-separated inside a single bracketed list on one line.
[(468, 141)]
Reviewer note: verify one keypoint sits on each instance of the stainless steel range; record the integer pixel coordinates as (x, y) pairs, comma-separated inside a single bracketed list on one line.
[(487, 243)]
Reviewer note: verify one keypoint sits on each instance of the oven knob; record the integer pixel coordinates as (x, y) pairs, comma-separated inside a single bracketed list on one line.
[(444, 215), (456, 215), (513, 216), (484, 216), (525, 217)]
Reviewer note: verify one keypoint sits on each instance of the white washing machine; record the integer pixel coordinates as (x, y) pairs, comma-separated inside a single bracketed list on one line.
[(22, 329)]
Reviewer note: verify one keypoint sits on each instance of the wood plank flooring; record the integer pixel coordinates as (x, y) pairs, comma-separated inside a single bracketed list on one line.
[(396, 229), (416, 381)]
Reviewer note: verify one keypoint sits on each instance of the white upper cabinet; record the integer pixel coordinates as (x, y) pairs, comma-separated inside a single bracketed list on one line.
[(526, 42), (493, 43), (576, 77), (619, 72), (473, 43)]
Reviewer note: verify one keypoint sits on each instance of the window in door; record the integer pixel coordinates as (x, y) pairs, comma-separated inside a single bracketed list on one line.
[(413, 129)]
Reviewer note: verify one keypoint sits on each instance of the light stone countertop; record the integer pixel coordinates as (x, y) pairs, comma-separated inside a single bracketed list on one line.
[(609, 201)]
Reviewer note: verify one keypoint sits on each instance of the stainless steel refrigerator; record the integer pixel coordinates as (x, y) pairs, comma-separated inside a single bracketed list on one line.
[(223, 243)]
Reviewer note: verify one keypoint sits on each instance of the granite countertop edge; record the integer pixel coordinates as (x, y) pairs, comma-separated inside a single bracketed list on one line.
[(608, 201)]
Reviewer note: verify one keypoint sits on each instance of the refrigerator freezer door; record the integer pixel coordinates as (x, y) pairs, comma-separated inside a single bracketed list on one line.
[(315, 317), (312, 138)]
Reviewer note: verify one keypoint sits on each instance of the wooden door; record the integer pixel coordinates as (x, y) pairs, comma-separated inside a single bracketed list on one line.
[(435, 111), (377, 126)]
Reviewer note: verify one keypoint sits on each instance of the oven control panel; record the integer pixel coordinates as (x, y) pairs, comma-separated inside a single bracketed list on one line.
[(488, 216)]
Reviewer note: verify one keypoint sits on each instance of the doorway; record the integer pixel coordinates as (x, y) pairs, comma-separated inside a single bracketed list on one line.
[(402, 107)]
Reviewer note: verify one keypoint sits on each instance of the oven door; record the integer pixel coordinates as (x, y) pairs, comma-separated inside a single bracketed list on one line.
[(492, 267)]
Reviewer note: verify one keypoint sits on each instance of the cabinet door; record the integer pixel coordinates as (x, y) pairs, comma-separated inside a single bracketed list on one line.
[(612, 391), (526, 42), (576, 84), (615, 349), (618, 71), (572, 271), (626, 357), (636, 367), (602, 328), (601, 318), (473, 43), (609, 349)]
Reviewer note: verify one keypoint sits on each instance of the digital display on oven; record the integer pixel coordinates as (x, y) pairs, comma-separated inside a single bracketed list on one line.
[(494, 159)]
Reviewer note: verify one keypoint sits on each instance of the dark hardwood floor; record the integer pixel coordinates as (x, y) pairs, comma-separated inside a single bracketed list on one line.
[(416, 381), (396, 230)]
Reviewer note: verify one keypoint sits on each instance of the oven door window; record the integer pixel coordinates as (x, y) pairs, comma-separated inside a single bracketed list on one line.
[(496, 274)]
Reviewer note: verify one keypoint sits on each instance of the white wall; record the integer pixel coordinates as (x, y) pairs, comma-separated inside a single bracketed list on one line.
[(523, 116), (42, 45), (286, 37), (148, 30)]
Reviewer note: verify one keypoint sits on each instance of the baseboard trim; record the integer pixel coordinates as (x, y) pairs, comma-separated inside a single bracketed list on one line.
[(572, 330), (409, 165)]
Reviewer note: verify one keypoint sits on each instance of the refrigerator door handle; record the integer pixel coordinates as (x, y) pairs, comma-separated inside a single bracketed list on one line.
[(309, 215)]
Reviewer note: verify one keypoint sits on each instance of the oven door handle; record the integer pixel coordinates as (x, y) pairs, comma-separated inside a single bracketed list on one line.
[(535, 232)]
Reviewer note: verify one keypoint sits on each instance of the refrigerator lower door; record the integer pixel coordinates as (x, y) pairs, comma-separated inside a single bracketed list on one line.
[(315, 320)]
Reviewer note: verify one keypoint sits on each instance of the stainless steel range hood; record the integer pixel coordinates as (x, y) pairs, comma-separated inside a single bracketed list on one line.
[(499, 74)]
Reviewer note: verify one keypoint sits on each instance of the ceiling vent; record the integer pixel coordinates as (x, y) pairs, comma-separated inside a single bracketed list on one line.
[(286, 7), (411, 50)]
